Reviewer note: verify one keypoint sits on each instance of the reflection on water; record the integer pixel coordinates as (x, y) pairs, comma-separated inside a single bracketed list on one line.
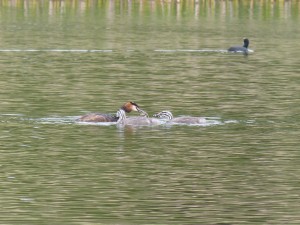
[(207, 8), (63, 59)]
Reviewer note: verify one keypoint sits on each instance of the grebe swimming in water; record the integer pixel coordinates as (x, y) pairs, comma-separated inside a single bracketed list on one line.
[(168, 117), (242, 49), (119, 117)]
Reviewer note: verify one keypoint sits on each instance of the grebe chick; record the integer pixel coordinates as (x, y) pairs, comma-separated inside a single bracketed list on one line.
[(168, 116), (118, 117), (142, 120), (242, 49)]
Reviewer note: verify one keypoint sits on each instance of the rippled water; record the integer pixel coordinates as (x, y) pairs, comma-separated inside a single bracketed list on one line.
[(60, 60)]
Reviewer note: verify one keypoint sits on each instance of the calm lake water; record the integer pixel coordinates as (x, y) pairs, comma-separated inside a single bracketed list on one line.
[(62, 59)]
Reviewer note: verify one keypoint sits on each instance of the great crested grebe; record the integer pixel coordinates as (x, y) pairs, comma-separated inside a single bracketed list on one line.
[(243, 49), (168, 117), (119, 117)]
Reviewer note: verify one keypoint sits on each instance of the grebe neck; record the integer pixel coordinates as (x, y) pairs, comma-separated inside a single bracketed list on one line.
[(121, 114), (246, 43)]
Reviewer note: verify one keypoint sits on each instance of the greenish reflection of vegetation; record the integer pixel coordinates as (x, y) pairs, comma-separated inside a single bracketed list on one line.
[(254, 9)]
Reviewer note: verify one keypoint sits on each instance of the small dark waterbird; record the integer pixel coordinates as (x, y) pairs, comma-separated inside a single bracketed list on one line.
[(241, 49)]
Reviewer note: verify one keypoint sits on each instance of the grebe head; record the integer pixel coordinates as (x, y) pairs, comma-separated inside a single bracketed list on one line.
[(132, 106), (246, 43), (167, 115)]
